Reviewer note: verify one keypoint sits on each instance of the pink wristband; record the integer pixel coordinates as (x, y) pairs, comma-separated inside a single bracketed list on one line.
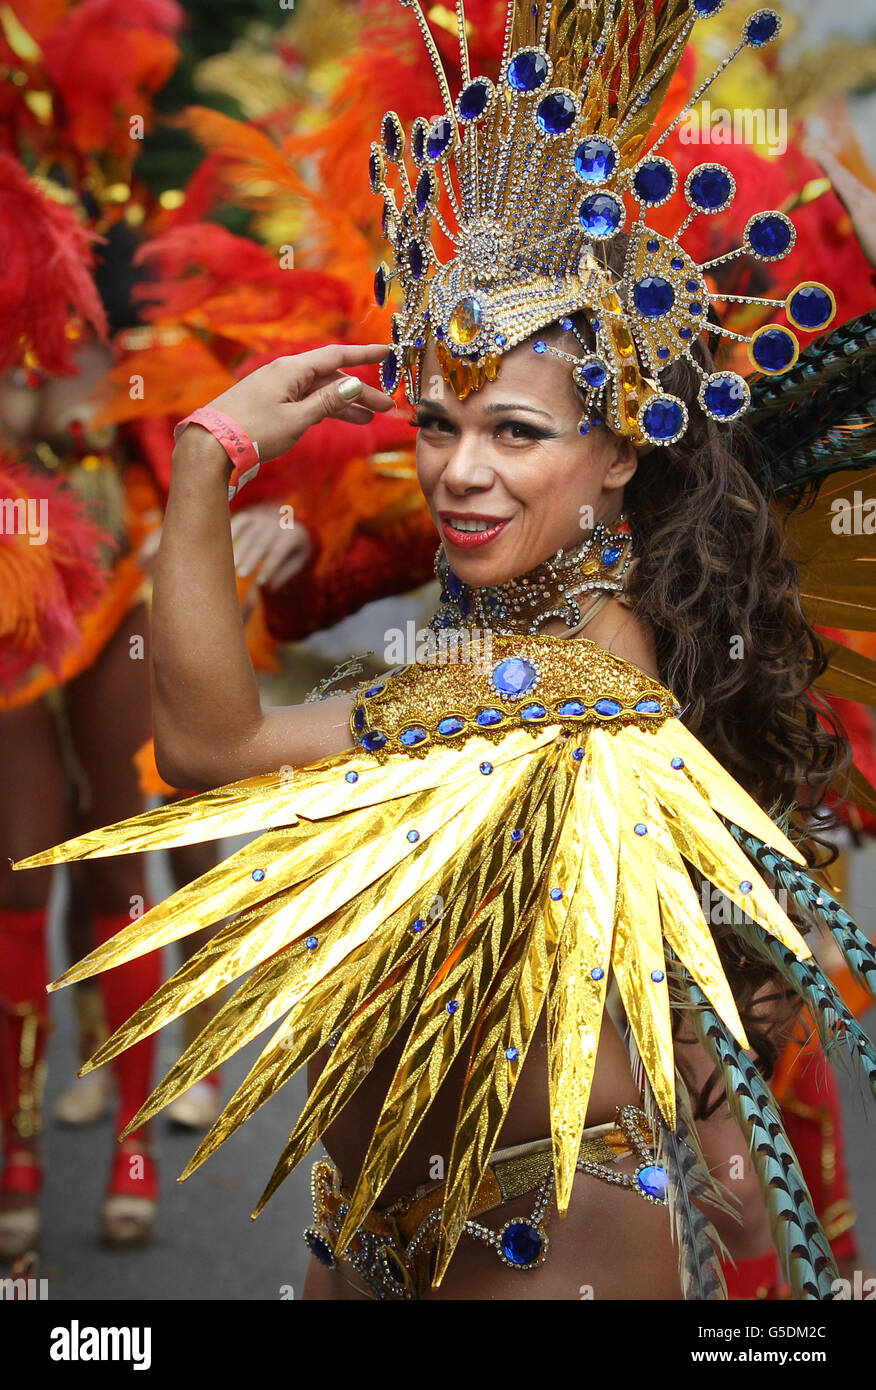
[(243, 453)]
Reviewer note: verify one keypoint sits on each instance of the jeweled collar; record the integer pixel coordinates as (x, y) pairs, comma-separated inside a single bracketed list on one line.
[(551, 590)]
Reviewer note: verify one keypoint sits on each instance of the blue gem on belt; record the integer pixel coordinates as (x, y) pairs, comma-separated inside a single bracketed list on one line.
[(652, 1181), (521, 1243)]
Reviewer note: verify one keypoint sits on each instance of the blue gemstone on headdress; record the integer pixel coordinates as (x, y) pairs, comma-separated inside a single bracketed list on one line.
[(710, 188), (663, 352), (595, 160), (761, 28), (774, 350), (380, 285), (726, 396), (811, 307), (521, 1243), (359, 718), (556, 894), (648, 707), (311, 942), (704, 8), (516, 835), (351, 776), (450, 725), (258, 875), (597, 973), (640, 829), (663, 419), (611, 554), (487, 717), (770, 235), (556, 113), (415, 259), (439, 138), (389, 371), (685, 333), (373, 740), (485, 768), (573, 709), (418, 143), (677, 263), (566, 325), (540, 346), (653, 296), (653, 181), (411, 737), (372, 691), (320, 1248), (374, 170), (584, 427), (607, 707), (512, 1054), (653, 246), (593, 372), (413, 836), (527, 71), (577, 754), (514, 676), (601, 215), (653, 1181), (745, 886), (473, 100), (390, 137), (419, 925), (425, 184), (695, 307), (657, 976), (692, 286), (677, 763), (500, 340), (452, 1006), (533, 712)]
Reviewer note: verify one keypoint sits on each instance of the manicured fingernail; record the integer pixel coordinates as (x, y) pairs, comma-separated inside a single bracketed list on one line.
[(350, 387)]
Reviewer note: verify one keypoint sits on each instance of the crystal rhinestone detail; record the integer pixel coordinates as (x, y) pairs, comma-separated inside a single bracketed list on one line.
[(258, 875), (657, 976), (512, 1054), (663, 419), (761, 28), (373, 740), (487, 717), (351, 776), (451, 725), (311, 942), (411, 737)]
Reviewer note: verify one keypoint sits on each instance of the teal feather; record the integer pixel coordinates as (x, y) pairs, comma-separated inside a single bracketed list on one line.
[(818, 904), (820, 416), (800, 1240)]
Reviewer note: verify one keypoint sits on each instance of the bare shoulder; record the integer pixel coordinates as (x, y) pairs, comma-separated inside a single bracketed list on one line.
[(619, 630)]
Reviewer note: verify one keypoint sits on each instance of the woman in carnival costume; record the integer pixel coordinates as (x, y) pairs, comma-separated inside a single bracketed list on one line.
[(481, 905)]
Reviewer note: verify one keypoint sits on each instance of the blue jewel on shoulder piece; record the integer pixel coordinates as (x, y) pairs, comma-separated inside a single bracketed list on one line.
[(514, 677), (521, 1244)]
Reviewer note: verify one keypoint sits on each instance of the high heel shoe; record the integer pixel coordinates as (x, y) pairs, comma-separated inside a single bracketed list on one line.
[(127, 1214)]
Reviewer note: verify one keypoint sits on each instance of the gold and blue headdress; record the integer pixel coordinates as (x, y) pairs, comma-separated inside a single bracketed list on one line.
[(542, 169)]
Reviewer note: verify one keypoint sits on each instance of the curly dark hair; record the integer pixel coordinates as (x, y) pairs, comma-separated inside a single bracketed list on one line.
[(716, 585)]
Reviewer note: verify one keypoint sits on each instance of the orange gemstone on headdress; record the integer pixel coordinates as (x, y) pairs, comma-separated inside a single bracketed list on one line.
[(465, 321)]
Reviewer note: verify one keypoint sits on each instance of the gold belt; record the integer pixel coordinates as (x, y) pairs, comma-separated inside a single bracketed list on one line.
[(392, 1249)]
